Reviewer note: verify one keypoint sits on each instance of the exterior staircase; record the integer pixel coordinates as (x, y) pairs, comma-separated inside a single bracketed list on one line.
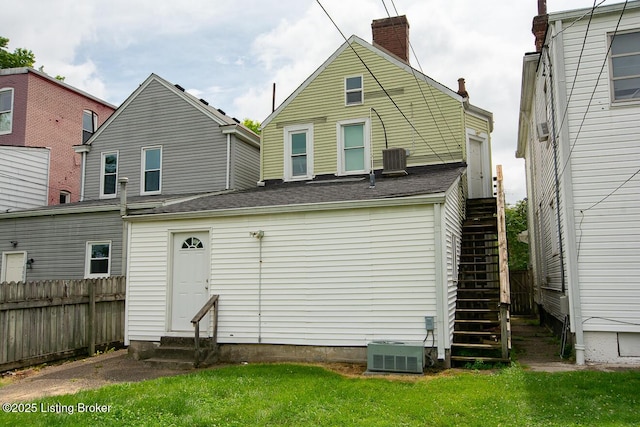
[(478, 329), (179, 353)]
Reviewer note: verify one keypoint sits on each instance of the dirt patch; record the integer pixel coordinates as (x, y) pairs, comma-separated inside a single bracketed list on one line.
[(73, 376)]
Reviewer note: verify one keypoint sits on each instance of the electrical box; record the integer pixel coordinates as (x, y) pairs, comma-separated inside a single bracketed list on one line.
[(429, 323)]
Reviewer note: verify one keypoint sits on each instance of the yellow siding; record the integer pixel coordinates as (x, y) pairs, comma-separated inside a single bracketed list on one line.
[(439, 134), (480, 126)]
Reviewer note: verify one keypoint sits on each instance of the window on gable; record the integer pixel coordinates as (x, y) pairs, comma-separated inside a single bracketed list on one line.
[(298, 152), (151, 170), (89, 124), (625, 66), (6, 110), (353, 146), (98, 259), (109, 175), (353, 90)]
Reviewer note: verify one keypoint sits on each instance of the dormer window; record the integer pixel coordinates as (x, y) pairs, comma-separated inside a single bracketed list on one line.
[(353, 90), (89, 124)]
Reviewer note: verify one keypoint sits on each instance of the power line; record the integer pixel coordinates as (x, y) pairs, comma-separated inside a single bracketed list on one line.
[(379, 83), (413, 72)]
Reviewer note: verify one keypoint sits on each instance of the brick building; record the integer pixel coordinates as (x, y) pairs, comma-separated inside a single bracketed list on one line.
[(37, 110)]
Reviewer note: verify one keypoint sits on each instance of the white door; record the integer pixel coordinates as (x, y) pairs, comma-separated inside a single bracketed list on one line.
[(13, 266), (475, 170), (190, 281)]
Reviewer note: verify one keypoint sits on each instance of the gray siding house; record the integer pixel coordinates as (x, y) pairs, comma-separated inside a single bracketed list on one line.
[(169, 145)]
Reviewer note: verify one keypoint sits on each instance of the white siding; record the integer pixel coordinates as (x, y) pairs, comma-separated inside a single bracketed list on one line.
[(338, 278), (453, 218), (24, 177), (605, 154)]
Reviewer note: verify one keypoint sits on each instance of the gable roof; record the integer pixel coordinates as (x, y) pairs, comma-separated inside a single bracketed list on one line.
[(219, 117), (26, 70), (430, 182), (373, 49)]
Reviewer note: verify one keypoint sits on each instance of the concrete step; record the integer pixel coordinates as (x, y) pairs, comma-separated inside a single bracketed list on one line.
[(161, 362)]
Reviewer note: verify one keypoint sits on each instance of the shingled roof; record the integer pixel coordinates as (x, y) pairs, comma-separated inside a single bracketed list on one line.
[(421, 181)]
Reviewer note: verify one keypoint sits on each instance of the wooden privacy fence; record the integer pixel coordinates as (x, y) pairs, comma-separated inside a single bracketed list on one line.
[(522, 301), (54, 319)]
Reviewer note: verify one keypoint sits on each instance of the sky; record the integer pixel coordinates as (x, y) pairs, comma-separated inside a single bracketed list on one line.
[(232, 52)]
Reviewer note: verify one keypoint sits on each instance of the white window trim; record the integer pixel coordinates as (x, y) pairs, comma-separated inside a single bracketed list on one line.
[(361, 90), (143, 161), (87, 259), (9, 89), (288, 130), (367, 146), (3, 273), (612, 93), (102, 164), (67, 196)]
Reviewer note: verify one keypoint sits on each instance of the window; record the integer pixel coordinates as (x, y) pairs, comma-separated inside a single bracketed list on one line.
[(65, 197), (98, 259), (298, 163), (6, 110), (89, 124), (353, 146), (109, 175), (192, 243), (625, 66), (151, 170), (353, 90)]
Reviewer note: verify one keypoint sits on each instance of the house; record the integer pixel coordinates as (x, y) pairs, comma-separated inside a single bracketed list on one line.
[(352, 235), (578, 128), (24, 177), (37, 110), (161, 145)]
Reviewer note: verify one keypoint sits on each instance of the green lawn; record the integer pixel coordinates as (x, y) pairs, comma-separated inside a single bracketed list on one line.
[(299, 395)]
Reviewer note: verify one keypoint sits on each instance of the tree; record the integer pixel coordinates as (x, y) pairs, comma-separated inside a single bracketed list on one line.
[(19, 58), (252, 124), (516, 223)]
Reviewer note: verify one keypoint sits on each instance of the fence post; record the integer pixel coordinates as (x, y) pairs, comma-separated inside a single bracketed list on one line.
[(92, 317)]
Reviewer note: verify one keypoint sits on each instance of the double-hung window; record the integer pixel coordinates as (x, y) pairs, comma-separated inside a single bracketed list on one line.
[(298, 153), (353, 90), (98, 259), (6, 110), (89, 124), (109, 175), (353, 146), (151, 170), (625, 66)]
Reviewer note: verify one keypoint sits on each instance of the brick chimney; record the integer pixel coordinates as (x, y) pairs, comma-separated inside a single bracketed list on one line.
[(462, 90), (392, 34), (540, 24)]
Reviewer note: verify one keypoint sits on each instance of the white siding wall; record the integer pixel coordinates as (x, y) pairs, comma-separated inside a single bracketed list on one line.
[(606, 153), (453, 218), (24, 177), (338, 278)]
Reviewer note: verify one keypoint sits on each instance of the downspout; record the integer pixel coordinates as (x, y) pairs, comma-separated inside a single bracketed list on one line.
[(440, 279), (259, 235), (82, 178), (123, 212), (568, 209), (228, 183)]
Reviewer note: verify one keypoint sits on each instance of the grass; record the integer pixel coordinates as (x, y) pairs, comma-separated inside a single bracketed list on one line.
[(301, 395)]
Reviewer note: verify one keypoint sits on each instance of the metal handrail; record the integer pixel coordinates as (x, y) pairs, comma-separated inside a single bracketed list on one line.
[(211, 303)]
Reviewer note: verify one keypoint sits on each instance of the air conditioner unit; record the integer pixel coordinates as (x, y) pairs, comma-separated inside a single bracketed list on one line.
[(543, 131), (394, 161), (392, 356)]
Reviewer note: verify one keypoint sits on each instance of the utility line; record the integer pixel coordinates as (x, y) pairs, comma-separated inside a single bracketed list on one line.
[(380, 84)]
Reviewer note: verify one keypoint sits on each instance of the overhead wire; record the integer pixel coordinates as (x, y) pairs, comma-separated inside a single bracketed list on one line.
[(380, 84)]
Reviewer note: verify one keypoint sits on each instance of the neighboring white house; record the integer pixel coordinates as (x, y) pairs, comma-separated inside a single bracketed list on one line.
[(578, 133), (24, 177)]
